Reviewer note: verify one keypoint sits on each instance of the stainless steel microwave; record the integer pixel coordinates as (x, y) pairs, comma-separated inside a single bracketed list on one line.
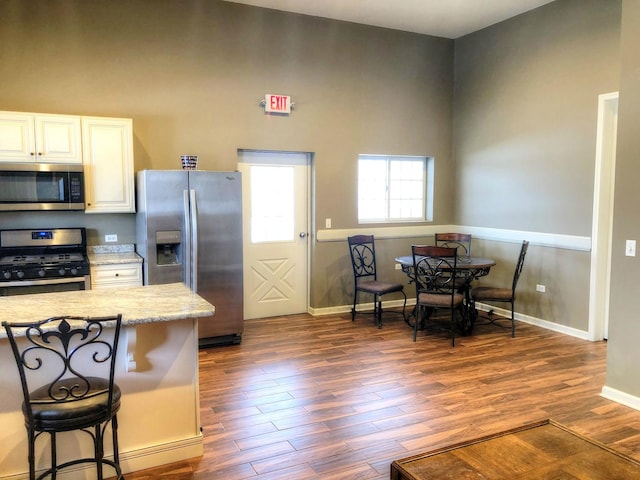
[(41, 186)]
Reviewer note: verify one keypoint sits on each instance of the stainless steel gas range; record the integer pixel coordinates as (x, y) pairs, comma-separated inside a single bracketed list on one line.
[(38, 261)]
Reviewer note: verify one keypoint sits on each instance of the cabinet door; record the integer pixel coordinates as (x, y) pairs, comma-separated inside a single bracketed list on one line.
[(17, 137), (107, 145), (58, 139), (120, 275)]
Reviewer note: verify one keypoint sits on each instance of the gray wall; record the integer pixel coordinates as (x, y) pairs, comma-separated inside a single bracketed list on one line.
[(623, 355), (526, 99)]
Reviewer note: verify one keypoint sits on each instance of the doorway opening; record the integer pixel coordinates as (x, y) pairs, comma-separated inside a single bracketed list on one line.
[(601, 235)]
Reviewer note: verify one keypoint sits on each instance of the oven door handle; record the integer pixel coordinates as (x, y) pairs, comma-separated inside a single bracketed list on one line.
[(48, 281)]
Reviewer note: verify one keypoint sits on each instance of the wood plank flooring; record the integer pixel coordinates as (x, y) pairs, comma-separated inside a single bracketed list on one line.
[(324, 398)]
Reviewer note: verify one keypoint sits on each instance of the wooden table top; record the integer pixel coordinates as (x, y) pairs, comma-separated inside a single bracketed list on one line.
[(537, 451)]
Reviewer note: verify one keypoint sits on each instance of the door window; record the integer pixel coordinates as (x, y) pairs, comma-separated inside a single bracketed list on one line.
[(272, 203)]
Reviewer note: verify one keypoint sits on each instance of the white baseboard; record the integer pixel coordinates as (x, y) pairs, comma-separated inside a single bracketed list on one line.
[(132, 460), (481, 306), (620, 397), (317, 312), (555, 327), (142, 458)]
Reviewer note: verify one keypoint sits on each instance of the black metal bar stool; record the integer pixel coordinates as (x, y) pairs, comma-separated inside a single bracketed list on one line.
[(77, 355)]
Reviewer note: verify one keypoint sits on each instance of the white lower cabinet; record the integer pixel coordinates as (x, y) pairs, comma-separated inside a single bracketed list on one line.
[(117, 275)]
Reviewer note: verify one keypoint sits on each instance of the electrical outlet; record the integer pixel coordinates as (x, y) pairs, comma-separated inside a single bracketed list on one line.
[(541, 288), (327, 223), (112, 237), (398, 266)]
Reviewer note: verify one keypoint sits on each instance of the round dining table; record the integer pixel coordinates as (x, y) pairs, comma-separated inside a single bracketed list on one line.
[(468, 268)]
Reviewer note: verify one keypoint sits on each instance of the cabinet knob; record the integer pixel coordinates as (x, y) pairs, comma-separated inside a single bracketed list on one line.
[(32, 154)]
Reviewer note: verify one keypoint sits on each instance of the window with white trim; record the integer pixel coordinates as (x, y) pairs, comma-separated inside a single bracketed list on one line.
[(394, 188)]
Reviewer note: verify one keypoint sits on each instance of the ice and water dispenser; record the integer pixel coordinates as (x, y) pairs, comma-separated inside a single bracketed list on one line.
[(169, 247)]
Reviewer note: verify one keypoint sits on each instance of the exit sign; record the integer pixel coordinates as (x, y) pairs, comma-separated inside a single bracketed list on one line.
[(277, 104)]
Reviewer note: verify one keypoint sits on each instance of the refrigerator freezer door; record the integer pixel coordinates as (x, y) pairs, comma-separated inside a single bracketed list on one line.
[(160, 209)]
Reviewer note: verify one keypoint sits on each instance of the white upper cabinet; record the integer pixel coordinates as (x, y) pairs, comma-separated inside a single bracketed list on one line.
[(107, 145), (40, 138)]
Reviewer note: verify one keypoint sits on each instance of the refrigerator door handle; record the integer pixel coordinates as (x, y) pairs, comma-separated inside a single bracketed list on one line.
[(187, 238), (194, 240)]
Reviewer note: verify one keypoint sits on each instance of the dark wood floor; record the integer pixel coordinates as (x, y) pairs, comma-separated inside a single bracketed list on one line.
[(325, 398)]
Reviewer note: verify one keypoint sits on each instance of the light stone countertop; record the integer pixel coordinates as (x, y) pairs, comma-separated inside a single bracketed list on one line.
[(148, 304), (113, 258), (112, 254)]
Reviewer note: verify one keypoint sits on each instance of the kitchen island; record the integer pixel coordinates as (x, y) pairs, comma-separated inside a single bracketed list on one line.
[(157, 371)]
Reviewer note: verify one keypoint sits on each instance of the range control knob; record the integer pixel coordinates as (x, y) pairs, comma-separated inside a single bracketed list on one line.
[(20, 274), (6, 274), (74, 271), (41, 272), (61, 272)]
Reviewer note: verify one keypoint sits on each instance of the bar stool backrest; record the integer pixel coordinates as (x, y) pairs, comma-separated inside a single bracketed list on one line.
[(67, 366)]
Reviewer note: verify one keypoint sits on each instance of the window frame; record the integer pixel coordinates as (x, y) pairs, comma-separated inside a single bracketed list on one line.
[(427, 188)]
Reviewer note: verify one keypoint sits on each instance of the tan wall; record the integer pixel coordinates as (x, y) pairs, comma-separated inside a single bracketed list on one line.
[(191, 75)]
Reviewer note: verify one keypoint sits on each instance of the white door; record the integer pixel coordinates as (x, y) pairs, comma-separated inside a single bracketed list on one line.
[(275, 208)]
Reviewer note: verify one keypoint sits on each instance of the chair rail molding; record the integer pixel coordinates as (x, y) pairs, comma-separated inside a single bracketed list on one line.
[(551, 240)]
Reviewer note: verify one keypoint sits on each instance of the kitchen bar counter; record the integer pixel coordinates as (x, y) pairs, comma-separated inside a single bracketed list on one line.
[(157, 371), (148, 304)]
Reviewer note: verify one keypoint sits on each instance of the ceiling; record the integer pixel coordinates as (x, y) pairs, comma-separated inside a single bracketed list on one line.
[(441, 18)]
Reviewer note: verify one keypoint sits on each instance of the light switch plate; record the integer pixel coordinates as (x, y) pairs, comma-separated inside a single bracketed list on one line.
[(630, 248)]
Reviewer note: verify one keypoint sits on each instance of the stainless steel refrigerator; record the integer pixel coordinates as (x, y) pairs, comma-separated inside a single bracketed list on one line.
[(189, 229)]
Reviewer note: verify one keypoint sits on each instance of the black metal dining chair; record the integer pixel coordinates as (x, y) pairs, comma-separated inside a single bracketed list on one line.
[(461, 241), (435, 279), (508, 295), (365, 276), (77, 357)]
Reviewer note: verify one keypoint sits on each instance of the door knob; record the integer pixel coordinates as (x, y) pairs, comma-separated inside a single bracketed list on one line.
[(302, 235)]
